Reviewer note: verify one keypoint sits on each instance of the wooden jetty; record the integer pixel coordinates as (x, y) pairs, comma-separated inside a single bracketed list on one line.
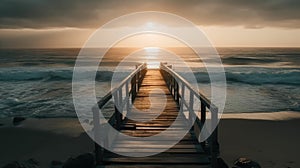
[(140, 95)]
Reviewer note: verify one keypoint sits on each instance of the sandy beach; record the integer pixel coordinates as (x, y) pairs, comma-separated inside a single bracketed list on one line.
[(44, 140), (272, 143)]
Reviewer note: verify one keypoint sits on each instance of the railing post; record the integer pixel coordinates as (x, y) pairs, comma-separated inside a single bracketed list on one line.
[(127, 98), (174, 88), (137, 78), (119, 114), (170, 82), (98, 148), (133, 88), (214, 145), (203, 119), (170, 79), (118, 108), (182, 98), (191, 107), (177, 92), (203, 113)]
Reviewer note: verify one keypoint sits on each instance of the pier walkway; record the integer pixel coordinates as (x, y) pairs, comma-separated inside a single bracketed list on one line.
[(147, 103)]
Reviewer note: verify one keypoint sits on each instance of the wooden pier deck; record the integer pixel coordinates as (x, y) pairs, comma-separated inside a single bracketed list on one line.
[(155, 106)]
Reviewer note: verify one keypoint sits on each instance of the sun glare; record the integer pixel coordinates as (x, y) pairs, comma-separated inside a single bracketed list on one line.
[(150, 25), (152, 57), (151, 49)]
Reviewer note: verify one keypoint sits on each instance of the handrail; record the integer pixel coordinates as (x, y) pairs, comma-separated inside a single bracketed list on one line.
[(102, 102), (131, 84), (177, 86), (198, 94)]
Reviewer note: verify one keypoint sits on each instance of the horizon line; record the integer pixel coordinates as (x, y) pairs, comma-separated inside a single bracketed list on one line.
[(147, 46)]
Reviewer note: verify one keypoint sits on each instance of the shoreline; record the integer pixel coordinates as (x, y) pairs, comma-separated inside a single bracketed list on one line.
[(265, 116), (272, 143)]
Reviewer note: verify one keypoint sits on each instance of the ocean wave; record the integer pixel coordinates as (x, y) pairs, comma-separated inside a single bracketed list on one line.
[(47, 75), (34, 74), (254, 77), (290, 77)]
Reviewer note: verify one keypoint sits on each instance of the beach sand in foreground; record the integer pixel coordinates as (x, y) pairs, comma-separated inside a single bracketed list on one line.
[(271, 143), (44, 140)]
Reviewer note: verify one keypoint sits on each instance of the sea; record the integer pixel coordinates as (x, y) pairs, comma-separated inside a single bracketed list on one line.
[(38, 82)]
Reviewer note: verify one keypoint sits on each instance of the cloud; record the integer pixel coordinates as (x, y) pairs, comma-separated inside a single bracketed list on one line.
[(44, 38), (94, 13)]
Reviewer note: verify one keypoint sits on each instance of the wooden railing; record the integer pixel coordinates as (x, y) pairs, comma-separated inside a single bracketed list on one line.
[(123, 95), (184, 94)]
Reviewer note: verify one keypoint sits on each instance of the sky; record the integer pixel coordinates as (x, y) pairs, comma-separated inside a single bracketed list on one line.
[(228, 23)]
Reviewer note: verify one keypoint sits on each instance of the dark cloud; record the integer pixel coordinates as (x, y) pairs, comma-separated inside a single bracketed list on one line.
[(93, 13), (33, 38)]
